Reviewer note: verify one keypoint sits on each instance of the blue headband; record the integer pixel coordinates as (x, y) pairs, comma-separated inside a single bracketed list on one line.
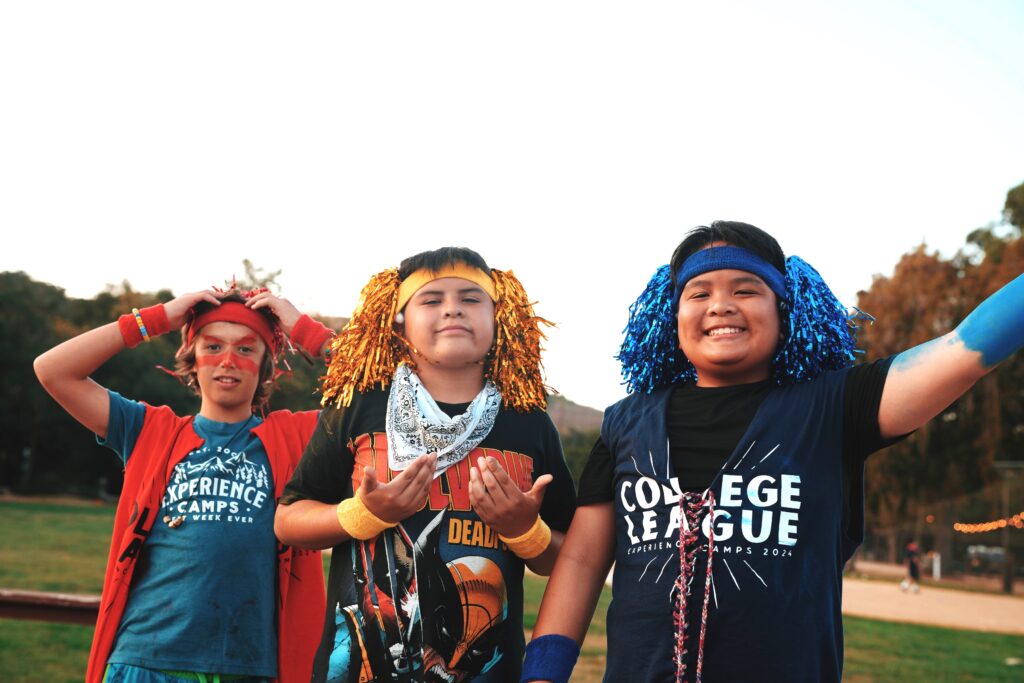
[(727, 257), (819, 334)]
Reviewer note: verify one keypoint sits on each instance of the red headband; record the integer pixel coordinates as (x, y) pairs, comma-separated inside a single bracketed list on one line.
[(234, 312)]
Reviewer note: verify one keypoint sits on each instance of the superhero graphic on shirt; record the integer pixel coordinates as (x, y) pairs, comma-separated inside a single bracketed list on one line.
[(459, 636)]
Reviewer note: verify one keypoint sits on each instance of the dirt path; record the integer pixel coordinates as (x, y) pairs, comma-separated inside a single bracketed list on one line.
[(934, 606)]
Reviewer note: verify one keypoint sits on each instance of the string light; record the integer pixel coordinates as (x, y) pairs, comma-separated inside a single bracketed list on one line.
[(1017, 521)]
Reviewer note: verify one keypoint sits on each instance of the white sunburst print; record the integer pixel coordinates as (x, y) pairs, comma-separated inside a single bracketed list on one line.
[(746, 498)]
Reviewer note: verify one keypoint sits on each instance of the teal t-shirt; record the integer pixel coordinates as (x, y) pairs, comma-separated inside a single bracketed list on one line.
[(203, 592)]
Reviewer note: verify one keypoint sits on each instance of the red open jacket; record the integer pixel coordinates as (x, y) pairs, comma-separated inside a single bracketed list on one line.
[(164, 441)]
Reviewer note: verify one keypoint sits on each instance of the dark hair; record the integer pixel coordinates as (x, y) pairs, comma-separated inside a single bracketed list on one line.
[(731, 232), (185, 358), (437, 259)]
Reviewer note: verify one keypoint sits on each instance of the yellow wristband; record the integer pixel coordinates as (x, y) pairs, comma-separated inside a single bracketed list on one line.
[(532, 543), (357, 520)]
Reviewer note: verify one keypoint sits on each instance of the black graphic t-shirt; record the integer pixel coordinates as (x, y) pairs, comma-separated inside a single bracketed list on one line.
[(439, 597)]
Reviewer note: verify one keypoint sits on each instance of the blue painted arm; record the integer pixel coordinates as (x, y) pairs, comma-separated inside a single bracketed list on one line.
[(995, 329), (924, 380)]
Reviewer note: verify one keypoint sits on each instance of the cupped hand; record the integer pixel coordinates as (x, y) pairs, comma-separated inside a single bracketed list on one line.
[(499, 501), (402, 496)]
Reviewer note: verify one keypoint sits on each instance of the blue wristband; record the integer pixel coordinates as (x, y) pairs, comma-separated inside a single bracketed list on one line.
[(550, 658)]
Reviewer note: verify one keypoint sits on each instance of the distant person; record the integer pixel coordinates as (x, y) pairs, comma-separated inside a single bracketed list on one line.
[(436, 475), (728, 487), (911, 558), (197, 587)]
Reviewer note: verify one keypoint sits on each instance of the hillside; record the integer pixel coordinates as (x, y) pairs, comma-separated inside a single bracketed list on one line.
[(569, 416)]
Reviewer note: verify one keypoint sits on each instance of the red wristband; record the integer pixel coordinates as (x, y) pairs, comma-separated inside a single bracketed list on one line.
[(153, 317), (130, 332), (311, 335), (156, 320)]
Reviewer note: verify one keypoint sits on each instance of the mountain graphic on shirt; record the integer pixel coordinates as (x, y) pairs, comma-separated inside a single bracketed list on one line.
[(238, 465), (249, 472)]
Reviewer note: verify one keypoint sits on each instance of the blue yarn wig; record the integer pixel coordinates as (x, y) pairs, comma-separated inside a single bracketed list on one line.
[(819, 333)]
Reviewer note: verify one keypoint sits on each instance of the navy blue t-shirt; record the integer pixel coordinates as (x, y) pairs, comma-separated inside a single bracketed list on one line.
[(782, 528), (202, 596)]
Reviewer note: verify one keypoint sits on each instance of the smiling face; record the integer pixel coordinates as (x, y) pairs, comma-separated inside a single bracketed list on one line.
[(227, 366), (728, 327), (450, 322)]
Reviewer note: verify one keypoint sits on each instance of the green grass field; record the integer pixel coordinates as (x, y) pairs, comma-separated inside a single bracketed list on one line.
[(62, 547)]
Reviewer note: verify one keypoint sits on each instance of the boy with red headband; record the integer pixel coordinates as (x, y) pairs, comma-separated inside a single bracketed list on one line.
[(428, 476), (197, 586)]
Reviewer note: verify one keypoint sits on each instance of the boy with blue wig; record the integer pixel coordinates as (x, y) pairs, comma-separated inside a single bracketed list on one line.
[(728, 486)]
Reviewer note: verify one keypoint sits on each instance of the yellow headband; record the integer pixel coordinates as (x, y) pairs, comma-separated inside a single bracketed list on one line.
[(421, 277), (365, 354)]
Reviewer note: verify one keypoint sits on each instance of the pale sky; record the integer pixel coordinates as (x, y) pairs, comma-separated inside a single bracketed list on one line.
[(572, 142)]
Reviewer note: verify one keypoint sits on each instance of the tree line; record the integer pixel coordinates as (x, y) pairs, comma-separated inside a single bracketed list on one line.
[(45, 451), (920, 486)]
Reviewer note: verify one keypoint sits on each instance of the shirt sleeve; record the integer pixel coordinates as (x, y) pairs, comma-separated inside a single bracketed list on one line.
[(597, 480), (559, 502), (862, 397), (123, 425), (325, 471)]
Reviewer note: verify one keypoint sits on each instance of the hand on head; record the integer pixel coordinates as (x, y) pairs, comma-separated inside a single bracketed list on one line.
[(285, 311), (177, 309)]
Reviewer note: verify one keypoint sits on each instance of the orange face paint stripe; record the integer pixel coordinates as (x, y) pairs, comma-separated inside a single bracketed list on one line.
[(232, 359)]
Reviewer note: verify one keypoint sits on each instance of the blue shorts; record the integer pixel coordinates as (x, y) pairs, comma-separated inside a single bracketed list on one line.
[(126, 673)]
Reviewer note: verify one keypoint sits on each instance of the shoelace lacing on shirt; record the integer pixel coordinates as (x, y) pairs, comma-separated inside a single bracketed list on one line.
[(693, 509)]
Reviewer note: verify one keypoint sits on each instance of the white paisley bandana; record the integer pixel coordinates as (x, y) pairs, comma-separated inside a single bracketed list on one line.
[(416, 426)]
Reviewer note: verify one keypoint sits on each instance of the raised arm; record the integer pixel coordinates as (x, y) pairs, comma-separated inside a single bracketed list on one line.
[(924, 380), (64, 370), (314, 337)]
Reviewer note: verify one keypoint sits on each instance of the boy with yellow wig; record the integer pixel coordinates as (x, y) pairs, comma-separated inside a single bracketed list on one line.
[(429, 475)]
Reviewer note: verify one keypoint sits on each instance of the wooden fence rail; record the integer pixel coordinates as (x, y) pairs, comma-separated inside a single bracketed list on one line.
[(61, 608)]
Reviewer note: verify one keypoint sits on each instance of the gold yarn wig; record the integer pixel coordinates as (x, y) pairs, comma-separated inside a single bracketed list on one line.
[(366, 353), (515, 367)]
